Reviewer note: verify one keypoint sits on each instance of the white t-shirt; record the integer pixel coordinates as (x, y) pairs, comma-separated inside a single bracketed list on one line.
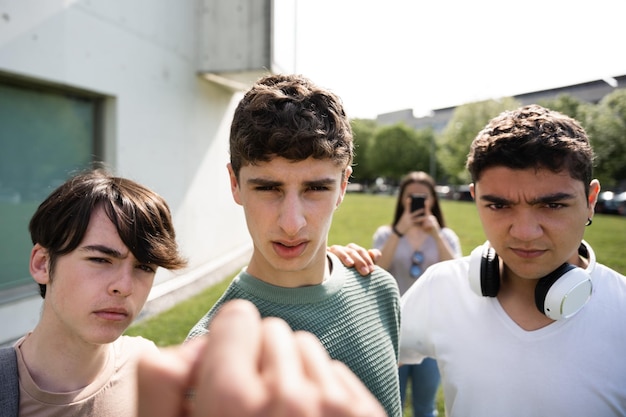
[(492, 367)]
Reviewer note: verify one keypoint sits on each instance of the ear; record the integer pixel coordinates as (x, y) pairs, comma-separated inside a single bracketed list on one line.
[(234, 184), (594, 191), (40, 264), (344, 185), (472, 191)]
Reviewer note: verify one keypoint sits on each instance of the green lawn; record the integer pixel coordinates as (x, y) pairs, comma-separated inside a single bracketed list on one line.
[(359, 215), (355, 221)]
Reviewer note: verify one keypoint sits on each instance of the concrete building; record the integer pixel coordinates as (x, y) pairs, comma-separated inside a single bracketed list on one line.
[(147, 86)]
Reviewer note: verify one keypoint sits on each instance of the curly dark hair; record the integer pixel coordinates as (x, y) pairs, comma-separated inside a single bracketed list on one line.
[(533, 137), (290, 117)]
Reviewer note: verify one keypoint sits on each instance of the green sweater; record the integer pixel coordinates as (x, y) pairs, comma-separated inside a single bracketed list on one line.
[(356, 318)]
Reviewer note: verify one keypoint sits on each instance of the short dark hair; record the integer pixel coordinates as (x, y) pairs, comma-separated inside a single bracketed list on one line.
[(142, 218), (288, 116), (533, 137)]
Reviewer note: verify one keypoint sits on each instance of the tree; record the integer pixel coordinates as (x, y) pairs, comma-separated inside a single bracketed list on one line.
[(363, 131), (570, 106), (398, 149), (605, 124), (607, 132), (466, 122)]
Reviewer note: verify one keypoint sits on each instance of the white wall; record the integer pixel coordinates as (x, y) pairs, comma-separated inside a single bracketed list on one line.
[(165, 126)]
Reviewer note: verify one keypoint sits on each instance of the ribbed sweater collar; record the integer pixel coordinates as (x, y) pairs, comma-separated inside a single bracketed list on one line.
[(301, 295)]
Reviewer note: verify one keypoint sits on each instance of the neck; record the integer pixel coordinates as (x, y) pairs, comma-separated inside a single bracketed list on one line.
[(314, 273), (517, 298), (59, 364)]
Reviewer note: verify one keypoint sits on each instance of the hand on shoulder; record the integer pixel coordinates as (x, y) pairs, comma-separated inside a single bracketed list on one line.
[(353, 255)]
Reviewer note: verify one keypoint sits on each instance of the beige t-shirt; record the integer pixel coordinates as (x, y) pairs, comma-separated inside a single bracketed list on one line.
[(112, 394)]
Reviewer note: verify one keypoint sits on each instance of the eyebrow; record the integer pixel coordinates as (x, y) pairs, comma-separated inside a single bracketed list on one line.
[(545, 199), (322, 182), (262, 182), (105, 250)]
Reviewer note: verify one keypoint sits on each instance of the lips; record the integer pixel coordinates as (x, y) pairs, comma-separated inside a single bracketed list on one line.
[(528, 253), (113, 314), (289, 249)]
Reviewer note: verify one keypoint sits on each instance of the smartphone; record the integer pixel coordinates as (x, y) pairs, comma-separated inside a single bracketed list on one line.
[(417, 202)]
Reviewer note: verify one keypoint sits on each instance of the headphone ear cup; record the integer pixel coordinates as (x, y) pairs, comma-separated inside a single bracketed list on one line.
[(562, 293), (484, 271), (490, 272)]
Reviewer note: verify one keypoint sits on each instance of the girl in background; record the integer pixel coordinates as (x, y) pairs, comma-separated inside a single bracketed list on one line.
[(414, 241)]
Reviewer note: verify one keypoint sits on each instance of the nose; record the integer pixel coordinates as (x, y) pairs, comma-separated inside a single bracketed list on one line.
[(526, 226), (291, 216), (122, 285)]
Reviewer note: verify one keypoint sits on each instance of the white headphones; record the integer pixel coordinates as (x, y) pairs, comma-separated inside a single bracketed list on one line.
[(560, 294)]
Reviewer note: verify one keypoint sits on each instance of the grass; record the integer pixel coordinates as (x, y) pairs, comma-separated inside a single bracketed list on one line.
[(355, 221), (359, 216)]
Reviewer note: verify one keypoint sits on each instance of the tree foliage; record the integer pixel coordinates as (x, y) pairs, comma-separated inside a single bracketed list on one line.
[(392, 151), (605, 124), (466, 122), (363, 131), (570, 106), (398, 149), (608, 137)]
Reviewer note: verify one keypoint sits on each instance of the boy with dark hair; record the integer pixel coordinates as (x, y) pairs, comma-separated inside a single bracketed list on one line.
[(98, 241), (529, 324), (291, 151)]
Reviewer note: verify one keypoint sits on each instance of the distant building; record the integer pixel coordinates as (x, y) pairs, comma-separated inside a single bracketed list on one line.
[(591, 92)]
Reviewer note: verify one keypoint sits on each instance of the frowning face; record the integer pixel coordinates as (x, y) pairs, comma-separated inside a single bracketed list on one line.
[(534, 218), (95, 291)]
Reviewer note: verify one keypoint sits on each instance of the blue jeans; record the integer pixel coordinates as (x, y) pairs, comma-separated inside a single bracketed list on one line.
[(425, 383)]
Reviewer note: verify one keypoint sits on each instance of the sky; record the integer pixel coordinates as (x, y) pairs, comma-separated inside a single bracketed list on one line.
[(389, 55)]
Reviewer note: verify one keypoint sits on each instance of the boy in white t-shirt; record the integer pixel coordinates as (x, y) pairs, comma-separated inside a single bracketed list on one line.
[(529, 324)]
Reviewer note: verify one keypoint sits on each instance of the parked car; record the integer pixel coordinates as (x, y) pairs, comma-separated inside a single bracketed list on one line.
[(620, 203), (462, 193), (603, 204), (610, 202)]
